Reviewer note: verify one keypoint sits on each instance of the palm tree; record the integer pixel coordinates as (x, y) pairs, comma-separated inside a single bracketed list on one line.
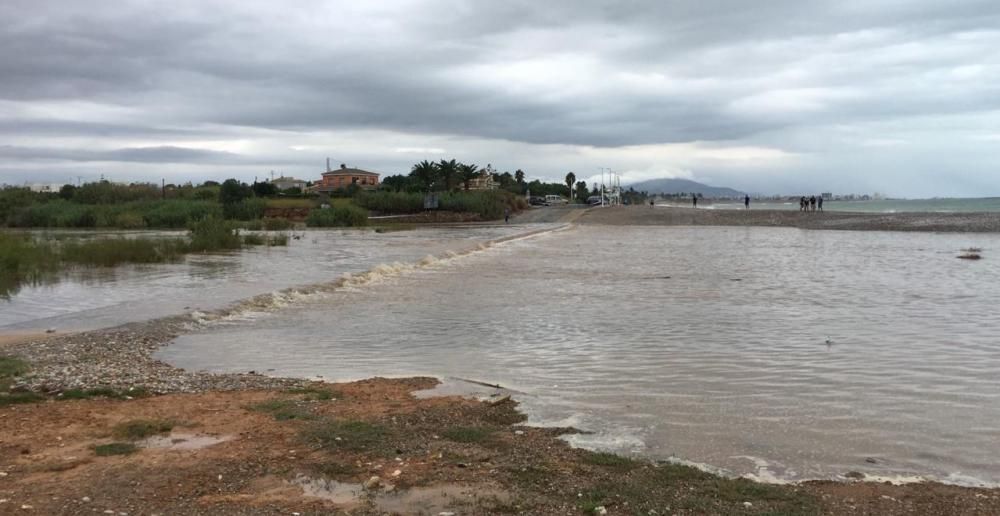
[(519, 176), (467, 173), (570, 181), (425, 172), (449, 172)]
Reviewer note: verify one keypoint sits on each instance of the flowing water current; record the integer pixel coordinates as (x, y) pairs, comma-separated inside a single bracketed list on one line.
[(775, 353)]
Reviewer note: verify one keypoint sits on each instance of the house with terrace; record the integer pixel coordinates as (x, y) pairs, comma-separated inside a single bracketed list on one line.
[(344, 177)]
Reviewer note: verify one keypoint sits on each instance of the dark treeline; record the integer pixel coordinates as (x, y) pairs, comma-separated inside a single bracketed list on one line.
[(452, 176)]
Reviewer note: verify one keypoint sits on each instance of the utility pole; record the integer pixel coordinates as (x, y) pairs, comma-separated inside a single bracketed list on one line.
[(163, 188)]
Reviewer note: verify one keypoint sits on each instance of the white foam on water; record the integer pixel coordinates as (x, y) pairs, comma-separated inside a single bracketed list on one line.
[(261, 305)]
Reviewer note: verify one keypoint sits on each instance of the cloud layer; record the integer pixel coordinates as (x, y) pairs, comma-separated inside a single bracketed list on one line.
[(851, 96)]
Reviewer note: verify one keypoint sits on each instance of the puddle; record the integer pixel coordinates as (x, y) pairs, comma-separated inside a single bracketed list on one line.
[(417, 500), (183, 441)]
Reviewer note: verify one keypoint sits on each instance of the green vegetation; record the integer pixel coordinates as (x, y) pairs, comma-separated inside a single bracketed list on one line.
[(345, 435), (105, 450), (488, 204), (610, 460), (11, 368), (283, 410), (316, 393), (103, 392), (24, 259), (467, 434), (142, 428), (338, 216)]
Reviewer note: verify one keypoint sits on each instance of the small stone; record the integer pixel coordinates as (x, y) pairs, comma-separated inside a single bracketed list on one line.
[(372, 483), (85, 499), (446, 514), (220, 478), (397, 473), (109, 511), (518, 432), (26, 507), (3, 473), (600, 510), (870, 460), (747, 504)]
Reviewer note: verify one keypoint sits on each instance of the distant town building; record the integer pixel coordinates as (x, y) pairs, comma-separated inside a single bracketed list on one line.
[(827, 196), (287, 183), (483, 181), (345, 177), (44, 188)]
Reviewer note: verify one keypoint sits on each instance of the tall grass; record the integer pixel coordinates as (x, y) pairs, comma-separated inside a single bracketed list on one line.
[(22, 260), (109, 252), (213, 234), (487, 204), (341, 216), (391, 202), (130, 215)]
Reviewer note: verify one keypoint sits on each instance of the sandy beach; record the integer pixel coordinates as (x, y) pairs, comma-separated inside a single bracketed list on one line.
[(673, 216)]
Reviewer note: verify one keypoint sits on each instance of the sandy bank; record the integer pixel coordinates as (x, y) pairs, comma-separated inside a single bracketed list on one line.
[(667, 216), (311, 450)]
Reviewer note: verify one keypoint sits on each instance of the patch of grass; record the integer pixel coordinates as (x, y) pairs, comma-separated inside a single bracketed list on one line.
[(346, 435), (467, 434), (18, 398), (105, 450), (336, 469), (103, 392), (340, 216), (668, 473), (315, 393), (10, 368), (291, 203), (277, 224), (214, 234), (610, 460), (142, 428), (282, 410), (109, 252)]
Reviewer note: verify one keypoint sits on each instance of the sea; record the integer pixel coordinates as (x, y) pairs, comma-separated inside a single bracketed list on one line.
[(943, 205), (777, 354)]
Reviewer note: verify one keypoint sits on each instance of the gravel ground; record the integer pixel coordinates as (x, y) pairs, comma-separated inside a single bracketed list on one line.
[(121, 359)]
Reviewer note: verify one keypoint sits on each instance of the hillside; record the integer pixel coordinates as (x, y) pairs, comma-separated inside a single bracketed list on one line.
[(673, 186)]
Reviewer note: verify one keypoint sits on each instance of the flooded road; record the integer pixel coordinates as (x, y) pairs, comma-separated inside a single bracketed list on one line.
[(771, 352)]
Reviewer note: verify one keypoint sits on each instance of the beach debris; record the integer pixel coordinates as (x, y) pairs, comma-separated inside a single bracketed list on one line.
[(828, 342), (499, 401), (871, 460), (747, 504), (50, 330), (857, 475), (372, 483), (970, 256)]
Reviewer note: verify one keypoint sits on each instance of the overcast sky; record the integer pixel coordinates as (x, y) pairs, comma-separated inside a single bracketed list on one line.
[(895, 96)]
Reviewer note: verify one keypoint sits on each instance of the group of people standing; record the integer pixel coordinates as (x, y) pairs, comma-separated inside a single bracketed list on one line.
[(811, 204)]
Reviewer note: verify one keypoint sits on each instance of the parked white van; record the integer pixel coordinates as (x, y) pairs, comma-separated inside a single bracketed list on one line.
[(555, 199)]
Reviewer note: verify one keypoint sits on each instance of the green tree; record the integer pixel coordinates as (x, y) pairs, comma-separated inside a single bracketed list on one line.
[(426, 173), (519, 176), (581, 191), (467, 173), (233, 192), (449, 173), (570, 181)]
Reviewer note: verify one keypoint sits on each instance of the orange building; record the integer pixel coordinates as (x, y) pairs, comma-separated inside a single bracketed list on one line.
[(344, 177)]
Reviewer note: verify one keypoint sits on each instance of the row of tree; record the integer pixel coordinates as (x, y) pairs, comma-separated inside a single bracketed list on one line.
[(452, 175)]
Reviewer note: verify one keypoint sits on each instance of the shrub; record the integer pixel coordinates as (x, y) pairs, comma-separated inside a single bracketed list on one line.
[(391, 202), (247, 209), (142, 428), (346, 435), (212, 234), (129, 220), (108, 252), (467, 434), (341, 216), (179, 213), (105, 450), (277, 224)]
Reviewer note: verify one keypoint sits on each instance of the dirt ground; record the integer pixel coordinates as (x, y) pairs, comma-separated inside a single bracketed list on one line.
[(310, 451)]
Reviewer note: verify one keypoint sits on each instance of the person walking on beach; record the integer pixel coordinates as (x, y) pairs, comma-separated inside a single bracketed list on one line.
[(746, 201), (694, 200), (802, 203), (506, 215), (819, 202), (812, 203)]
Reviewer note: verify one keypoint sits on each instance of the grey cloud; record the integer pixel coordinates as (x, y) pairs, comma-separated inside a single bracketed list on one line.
[(601, 74), (164, 154)]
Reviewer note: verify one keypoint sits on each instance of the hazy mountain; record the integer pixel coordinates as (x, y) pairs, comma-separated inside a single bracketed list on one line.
[(673, 186)]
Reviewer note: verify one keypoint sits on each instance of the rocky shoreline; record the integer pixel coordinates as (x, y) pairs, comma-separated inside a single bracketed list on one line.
[(121, 359)]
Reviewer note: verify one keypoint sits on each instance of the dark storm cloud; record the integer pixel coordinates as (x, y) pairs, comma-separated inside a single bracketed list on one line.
[(598, 74), (163, 154)]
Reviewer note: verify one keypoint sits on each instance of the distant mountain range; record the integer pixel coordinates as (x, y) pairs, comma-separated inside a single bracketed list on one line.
[(674, 186)]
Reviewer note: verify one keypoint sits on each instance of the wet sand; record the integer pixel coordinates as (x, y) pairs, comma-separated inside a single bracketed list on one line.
[(12, 338), (673, 216)]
